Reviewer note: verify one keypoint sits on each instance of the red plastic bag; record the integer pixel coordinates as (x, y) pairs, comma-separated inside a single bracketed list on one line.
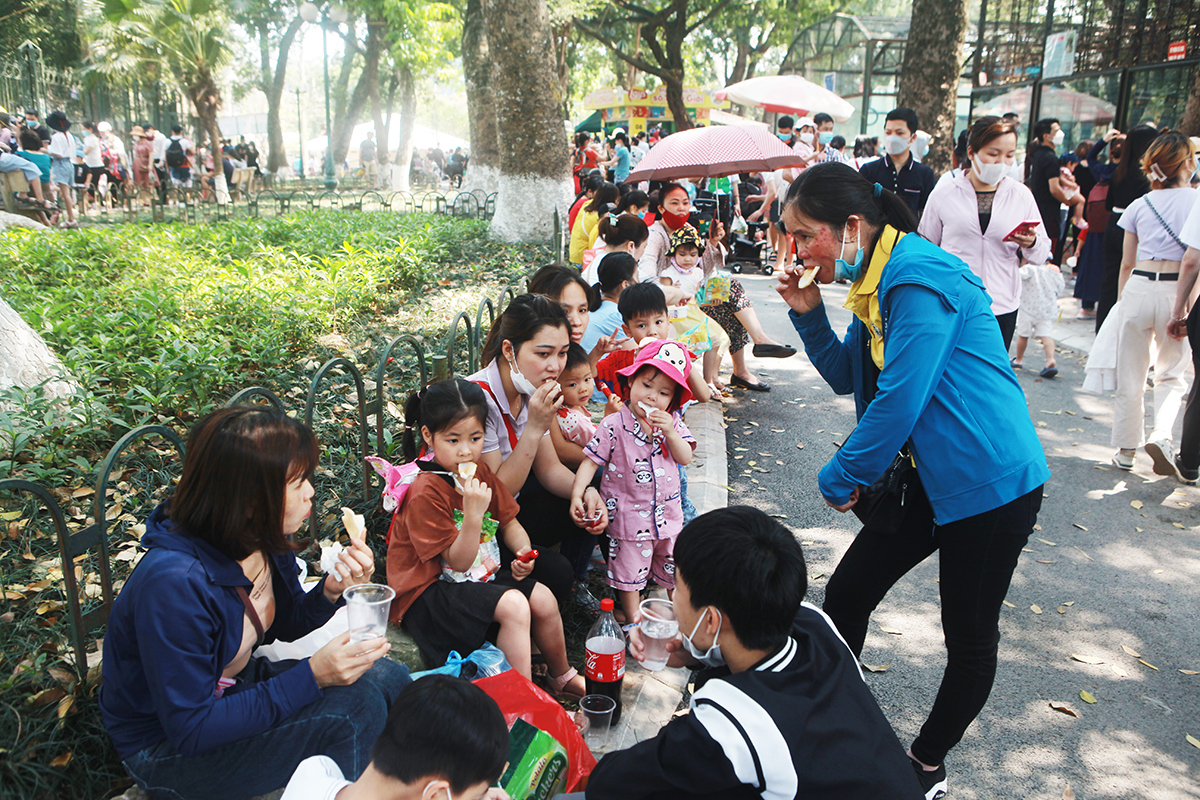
[(519, 698)]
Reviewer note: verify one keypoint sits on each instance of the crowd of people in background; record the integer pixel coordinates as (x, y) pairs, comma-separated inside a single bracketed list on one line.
[(74, 174)]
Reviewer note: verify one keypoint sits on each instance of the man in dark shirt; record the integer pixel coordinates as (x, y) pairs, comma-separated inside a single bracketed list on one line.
[(898, 171), (781, 711), (33, 121), (1043, 177)]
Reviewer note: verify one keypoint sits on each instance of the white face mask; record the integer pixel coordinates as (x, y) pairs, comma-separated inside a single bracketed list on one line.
[(895, 145), (712, 656), (989, 174), (1059, 136), (522, 384), (806, 137)]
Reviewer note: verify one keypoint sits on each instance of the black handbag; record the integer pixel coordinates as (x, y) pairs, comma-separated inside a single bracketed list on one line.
[(882, 505)]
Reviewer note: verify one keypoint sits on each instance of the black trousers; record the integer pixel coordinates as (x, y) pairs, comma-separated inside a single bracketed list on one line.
[(164, 182), (977, 557), (1114, 245), (1008, 326), (546, 517), (1189, 442)]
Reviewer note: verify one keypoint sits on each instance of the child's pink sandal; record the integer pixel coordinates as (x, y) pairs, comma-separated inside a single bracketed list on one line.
[(558, 684)]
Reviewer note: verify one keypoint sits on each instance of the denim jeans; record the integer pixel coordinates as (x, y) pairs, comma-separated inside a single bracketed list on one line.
[(977, 556), (343, 725)]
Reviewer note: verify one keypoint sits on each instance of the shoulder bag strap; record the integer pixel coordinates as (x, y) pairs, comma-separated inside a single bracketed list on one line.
[(252, 613), (1163, 222)]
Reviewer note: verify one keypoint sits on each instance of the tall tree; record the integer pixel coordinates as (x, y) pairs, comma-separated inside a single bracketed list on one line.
[(483, 170), (275, 24), (663, 31), (189, 37), (929, 75), (535, 166)]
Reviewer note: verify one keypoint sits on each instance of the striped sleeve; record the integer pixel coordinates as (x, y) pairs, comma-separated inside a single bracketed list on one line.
[(749, 739)]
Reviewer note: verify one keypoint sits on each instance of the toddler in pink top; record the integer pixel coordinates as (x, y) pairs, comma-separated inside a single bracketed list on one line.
[(576, 382), (642, 446)]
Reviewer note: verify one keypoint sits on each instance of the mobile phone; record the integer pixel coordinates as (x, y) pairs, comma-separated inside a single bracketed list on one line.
[(1024, 229)]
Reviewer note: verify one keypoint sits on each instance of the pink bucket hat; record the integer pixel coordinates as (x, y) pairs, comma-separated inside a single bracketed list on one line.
[(668, 357)]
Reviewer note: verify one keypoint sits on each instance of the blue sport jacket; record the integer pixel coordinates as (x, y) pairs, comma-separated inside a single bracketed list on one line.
[(946, 384), (176, 624)]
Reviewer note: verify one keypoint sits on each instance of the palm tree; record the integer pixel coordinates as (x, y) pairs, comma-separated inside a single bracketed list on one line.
[(184, 38)]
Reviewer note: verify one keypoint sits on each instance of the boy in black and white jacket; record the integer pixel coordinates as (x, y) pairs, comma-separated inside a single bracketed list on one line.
[(781, 711)]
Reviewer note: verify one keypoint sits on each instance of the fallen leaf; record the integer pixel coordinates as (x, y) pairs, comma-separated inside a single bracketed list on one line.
[(1027, 550), (1148, 664), (1189, 672), (1087, 659), (1069, 603), (817, 576), (889, 630), (1179, 525), (62, 760), (1077, 525), (1040, 561), (1052, 544), (1035, 608), (46, 697), (1118, 670), (1158, 571), (755, 424), (1136, 528), (800, 445), (876, 667), (1068, 793), (63, 676), (64, 705), (1085, 555), (1135, 503), (1131, 651), (1062, 708), (1193, 741), (1010, 605), (1087, 697), (9, 515), (1061, 609)]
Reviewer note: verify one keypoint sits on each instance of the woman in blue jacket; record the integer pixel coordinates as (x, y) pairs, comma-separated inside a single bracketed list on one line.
[(928, 368), (192, 713)]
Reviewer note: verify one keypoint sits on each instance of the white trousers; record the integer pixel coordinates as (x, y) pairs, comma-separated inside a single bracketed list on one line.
[(1145, 310)]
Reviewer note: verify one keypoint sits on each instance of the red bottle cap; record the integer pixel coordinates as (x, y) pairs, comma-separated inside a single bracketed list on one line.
[(606, 604)]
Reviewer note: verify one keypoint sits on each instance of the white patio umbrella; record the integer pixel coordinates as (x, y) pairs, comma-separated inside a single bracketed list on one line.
[(786, 94)]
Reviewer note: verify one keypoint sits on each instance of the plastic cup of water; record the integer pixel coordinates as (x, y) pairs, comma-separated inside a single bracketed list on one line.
[(367, 606), (658, 626), (598, 711)]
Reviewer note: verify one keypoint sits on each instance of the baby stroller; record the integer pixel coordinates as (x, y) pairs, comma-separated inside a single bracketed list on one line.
[(746, 250)]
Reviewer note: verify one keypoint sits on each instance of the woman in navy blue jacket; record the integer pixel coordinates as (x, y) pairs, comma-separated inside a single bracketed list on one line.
[(928, 368), (192, 713)]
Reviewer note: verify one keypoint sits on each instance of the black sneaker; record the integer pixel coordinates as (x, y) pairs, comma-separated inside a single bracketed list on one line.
[(1188, 476), (933, 783)]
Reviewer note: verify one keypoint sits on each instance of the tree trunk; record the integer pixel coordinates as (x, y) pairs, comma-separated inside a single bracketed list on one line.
[(206, 98), (1189, 124), (273, 87), (483, 169), (930, 73), (371, 76), (675, 102), (535, 167), (739, 63), (408, 121), (26, 360)]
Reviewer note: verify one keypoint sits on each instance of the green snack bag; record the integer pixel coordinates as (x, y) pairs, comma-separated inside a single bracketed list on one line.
[(537, 764)]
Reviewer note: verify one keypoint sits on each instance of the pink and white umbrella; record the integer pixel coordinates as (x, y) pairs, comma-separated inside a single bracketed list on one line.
[(712, 152), (786, 94)]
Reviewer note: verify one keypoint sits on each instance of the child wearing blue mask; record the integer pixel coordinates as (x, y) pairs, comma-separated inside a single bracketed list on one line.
[(777, 688)]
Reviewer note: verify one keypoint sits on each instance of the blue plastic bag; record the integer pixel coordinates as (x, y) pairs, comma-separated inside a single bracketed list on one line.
[(486, 661)]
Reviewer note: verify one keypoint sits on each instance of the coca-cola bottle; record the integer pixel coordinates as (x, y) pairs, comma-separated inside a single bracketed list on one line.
[(606, 657)]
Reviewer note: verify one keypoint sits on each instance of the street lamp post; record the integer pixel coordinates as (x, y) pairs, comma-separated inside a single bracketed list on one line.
[(337, 14), (300, 128)]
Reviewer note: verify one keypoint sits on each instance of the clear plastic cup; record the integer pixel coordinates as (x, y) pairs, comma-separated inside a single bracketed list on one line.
[(597, 709), (658, 626), (367, 606)]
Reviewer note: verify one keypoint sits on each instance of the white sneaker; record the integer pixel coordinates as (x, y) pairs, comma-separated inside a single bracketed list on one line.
[(1160, 453), (1123, 459)]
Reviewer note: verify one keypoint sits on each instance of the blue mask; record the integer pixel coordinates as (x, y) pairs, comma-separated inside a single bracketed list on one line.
[(641, 215), (850, 272), (825, 136), (784, 136)]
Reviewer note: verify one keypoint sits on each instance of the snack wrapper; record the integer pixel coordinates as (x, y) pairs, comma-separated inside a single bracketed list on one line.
[(714, 290), (487, 561)]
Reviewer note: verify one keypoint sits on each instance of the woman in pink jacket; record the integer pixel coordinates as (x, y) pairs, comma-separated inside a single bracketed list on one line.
[(974, 217)]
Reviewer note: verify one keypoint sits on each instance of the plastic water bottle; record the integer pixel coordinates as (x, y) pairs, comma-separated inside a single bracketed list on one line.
[(606, 657)]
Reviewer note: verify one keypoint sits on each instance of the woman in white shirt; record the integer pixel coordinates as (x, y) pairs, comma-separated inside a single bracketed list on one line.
[(1146, 290)]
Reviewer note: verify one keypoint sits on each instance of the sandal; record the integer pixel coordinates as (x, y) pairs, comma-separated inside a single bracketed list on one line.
[(557, 685)]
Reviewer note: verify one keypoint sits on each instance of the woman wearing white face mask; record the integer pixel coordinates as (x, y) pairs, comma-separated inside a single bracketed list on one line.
[(973, 215), (1044, 179)]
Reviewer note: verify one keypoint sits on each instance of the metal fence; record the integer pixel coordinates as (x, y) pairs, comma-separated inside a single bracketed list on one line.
[(90, 554)]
